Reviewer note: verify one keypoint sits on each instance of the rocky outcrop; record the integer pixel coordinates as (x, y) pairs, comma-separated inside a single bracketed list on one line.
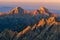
[(7, 35)]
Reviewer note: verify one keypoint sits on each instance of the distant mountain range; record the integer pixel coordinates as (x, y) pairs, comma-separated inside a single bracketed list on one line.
[(21, 24), (6, 9)]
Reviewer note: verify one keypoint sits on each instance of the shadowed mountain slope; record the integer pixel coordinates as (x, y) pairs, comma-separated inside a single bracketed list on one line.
[(20, 24)]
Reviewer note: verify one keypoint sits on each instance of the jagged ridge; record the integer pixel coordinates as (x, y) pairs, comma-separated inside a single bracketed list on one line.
[(34, 24)]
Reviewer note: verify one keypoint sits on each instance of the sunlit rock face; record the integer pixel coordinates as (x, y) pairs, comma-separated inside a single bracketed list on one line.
[(41, 23), (44, 11), (27, 29), (50, 20)]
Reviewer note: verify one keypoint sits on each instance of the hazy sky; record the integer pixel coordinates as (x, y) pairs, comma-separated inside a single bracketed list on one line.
[(30, 1), (55, 4)]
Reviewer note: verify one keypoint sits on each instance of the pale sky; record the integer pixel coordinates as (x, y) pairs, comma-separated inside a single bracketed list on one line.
[(29, 0), (31, 4)]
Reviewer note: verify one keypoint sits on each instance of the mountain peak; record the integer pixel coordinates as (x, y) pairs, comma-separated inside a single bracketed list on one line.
[(16, 10), (35, 12), (18, 7), (44, 10)]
